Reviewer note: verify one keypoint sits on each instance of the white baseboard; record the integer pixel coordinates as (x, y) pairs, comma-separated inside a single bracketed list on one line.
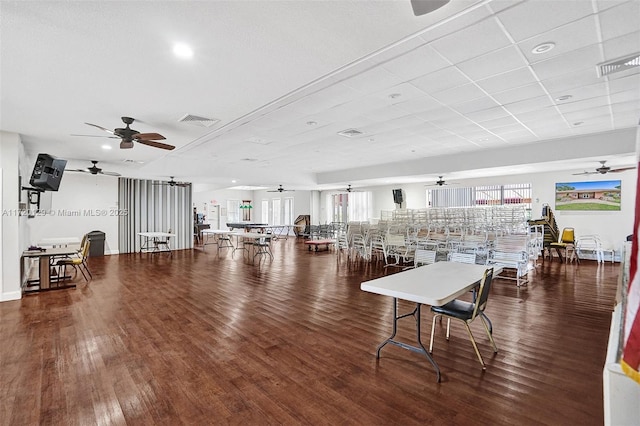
[(13, 295)]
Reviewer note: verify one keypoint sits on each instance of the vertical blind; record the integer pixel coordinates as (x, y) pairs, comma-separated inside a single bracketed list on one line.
[(151, 206)]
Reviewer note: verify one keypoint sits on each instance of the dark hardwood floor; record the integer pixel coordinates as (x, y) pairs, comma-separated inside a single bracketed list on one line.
[(203, 338)]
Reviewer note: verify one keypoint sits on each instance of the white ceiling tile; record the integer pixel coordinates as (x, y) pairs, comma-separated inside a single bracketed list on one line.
[(441, 80), (415, 105), (567, 82), (490, 64), (550, 113), (488, 114), (629, 119), (576, 60), (531, 18), (384, 114), (508, 80), (625, 107), (528, 105), (479, 104), (473, 41), (586, 114), (437, 114), (399, 93), (456, 95), (519, 94), (607, 4), (622, 46), (584, 104), (567, 38), (497, 123), (620, 20), (372, 80), (416, 63)]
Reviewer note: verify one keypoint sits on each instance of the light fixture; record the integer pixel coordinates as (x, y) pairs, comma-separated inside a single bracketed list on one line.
[(233, 181), (106, 147), (182, 50), (543, 48), (563, 98), (395, 95), (578, 123), (311, 123)]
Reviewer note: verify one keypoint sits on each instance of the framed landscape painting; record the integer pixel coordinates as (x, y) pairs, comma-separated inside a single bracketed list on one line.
[(594, 195)]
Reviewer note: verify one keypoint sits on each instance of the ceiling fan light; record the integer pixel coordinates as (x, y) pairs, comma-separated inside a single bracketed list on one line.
[(126, 144)]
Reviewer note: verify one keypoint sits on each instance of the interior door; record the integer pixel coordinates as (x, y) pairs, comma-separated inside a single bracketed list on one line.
[(214, 216)]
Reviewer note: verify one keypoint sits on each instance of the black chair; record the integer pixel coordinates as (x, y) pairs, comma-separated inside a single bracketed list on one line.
[(467, 312)]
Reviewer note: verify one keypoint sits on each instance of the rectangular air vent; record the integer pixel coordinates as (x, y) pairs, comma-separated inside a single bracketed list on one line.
[(350, 133), (198, 121), (618, 65)]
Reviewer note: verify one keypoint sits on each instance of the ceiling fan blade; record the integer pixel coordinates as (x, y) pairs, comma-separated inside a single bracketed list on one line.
[(110, 173), (96, 136), (156, 144), (100, 127), (79, 170), (584, 173), (149, 137), (621, 169)]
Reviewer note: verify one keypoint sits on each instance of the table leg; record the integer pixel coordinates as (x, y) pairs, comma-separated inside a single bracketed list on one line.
[(419, 349)]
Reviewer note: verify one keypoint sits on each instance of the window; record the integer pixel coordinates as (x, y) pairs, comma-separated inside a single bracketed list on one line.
[(233, 211), (277, 212), (264, 213), (350, 207), (487, 195), (288, 211)]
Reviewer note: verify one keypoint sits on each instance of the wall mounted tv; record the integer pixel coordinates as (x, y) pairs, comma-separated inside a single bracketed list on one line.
[(397, 196), (593, 195), (47, 172)]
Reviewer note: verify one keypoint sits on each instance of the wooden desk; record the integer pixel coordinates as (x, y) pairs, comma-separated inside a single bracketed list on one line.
[(44, 263), (435, 285)]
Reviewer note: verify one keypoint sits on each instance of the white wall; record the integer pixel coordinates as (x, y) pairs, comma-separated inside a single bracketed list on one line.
[(83, 203), (10, 150), (612, 227)]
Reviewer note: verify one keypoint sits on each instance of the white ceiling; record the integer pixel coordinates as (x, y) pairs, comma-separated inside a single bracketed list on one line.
[(284, 77)]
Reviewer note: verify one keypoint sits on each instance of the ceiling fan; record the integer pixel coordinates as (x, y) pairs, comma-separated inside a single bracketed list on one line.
[(128, 135), (603, 170), (172, 182), (280, 189), (350, 189), (95, 170), (440, 182)]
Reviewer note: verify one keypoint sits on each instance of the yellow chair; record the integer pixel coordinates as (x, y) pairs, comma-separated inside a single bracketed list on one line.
[(566, 245), (79, 262)]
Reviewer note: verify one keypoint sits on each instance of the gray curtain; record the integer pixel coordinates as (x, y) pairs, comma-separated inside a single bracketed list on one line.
[(154, 206)]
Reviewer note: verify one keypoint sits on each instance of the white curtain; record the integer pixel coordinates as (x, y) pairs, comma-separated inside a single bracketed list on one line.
[(154, 206)]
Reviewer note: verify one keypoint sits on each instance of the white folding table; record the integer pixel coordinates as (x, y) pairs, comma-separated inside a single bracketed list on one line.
[(435, 284), (152, 240)]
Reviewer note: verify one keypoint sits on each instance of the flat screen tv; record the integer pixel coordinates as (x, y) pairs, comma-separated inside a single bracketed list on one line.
[(47, 172), (590, 196)]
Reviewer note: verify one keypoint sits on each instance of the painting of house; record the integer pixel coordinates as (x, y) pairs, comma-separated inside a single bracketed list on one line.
[(592, 195)]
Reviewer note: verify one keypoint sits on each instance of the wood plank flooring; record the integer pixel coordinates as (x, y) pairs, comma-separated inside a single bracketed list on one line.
[(201, 337)]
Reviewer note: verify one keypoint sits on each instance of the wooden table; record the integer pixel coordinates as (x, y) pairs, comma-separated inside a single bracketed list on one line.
[(44, 263), (435, 284)]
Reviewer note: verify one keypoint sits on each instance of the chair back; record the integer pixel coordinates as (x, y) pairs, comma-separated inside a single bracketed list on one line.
[(84, 252), (424, 257), (462, 258), (568, 236), (483, 293)]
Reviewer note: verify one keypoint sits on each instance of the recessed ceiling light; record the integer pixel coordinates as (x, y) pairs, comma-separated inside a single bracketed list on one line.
[(564, 98), (311, 123), (182, 50), (106, 147), (395, 95), (233, 181), (543, 48), (578, 123)]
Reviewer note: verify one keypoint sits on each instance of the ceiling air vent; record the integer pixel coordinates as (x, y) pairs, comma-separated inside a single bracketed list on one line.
[(198, 121), (350, 133), (621, 64)]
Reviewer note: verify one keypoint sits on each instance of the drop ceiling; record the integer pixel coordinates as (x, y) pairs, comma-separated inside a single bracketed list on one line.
[(458, 92)]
